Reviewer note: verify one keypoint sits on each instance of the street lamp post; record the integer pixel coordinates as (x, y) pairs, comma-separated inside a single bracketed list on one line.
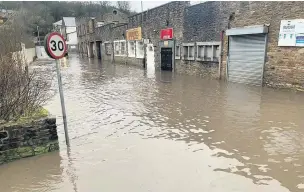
[(38, 37)]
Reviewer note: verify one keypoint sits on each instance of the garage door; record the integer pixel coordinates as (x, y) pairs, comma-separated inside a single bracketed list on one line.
[(246, 58)]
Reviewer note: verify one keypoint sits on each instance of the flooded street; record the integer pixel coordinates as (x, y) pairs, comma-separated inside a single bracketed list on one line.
[(136, 130)]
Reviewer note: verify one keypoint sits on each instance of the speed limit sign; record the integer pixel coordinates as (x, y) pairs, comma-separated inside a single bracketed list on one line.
[(55, 45)]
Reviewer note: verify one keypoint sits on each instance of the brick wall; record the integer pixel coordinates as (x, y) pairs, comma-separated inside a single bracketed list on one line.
[(284, 66)]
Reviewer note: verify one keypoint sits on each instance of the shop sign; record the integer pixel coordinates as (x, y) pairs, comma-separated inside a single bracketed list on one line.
[(166, 33), (291, 33), (134, 34), (91, 28), (166, 43)]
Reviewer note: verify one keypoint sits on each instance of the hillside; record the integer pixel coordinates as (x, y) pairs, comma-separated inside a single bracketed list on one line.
[(44, 13)]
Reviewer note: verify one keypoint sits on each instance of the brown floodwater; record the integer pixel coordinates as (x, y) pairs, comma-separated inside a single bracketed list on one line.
[(136, 130)]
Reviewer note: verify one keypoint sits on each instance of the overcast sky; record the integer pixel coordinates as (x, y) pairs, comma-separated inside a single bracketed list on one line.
[(136, 5)]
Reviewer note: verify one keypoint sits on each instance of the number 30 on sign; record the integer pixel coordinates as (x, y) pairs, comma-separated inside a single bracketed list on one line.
[(55, 45)]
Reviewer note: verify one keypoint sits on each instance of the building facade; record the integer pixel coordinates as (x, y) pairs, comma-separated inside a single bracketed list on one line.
[(67, 27), (89, 31), (235, 41), (282, 66)]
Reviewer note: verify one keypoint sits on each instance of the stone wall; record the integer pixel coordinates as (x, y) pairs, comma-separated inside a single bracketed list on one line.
[(284, 65), (204, 22), (109, 33), (170, 15), (119, 33), (26, 140), (85, 37), (81, 25)]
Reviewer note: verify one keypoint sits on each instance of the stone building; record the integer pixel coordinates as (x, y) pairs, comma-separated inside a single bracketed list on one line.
[(235, 41), (282, 66), (88, 29), (116, 47)]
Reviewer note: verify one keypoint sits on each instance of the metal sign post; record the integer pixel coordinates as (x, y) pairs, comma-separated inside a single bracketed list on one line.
[(56, 48)]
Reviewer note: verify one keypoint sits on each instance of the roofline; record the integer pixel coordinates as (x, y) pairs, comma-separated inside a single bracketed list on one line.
[(155, 8), (201, 3)]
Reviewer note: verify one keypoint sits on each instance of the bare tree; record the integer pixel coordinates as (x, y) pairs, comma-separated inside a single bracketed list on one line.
[(22, 91), (124, 6)]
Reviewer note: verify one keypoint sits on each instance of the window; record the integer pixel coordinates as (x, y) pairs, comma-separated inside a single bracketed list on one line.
[(191, 52), (108, 48), (123, 48), (120, 48), (208, 51), (177, 52), (188, 51), (185, 51), (131, 48), (116, 48), (140, 49)]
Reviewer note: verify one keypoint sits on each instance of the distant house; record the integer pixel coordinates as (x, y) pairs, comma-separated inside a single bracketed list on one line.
[(88, 30), (67, 27), (2, 19), (57, 26), (4, 15)]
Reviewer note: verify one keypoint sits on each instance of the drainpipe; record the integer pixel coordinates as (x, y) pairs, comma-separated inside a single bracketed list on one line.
[(221, 55), (143, 36), (112, 44)]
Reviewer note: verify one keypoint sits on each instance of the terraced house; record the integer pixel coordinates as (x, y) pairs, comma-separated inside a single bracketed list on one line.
[(257, 43)]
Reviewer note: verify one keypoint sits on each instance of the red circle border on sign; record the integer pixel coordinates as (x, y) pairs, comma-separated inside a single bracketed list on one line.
[(49, 49)]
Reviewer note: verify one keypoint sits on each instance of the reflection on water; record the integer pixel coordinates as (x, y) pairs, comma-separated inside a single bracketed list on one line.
[(32, 174), (133, 131)]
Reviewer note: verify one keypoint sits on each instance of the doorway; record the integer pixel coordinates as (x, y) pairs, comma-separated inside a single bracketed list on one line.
[(166, 59), (98, 49), (91, 48)]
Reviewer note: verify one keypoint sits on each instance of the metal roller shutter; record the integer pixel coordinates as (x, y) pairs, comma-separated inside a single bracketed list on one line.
[(246, 58)]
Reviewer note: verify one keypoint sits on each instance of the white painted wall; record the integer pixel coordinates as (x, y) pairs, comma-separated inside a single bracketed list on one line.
[(72, 35), (25, 55), (30, 53), (40, 52), (139, 49)]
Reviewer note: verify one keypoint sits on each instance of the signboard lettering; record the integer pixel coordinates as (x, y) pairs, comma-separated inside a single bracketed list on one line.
[(134, 34), (55, 45), (291, 33), (166, 33)]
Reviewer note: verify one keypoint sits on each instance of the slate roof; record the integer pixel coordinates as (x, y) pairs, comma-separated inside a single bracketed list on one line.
[(69, 21)]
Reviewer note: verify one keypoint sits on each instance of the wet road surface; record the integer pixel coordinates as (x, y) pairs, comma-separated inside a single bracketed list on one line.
[(133, 130)]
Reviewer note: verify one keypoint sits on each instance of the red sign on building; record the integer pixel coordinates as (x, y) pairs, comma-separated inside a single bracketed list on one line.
[(166, 33)]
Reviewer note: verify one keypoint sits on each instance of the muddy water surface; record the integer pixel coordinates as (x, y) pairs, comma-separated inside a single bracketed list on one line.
[(133, 130)]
